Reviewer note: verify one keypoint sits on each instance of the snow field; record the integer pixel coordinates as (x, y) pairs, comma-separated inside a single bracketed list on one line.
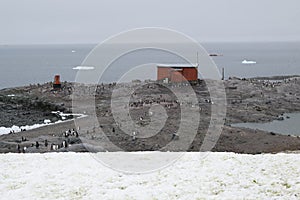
[(217, 176)]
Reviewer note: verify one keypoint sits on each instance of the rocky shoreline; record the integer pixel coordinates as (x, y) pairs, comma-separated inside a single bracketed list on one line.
[(261, 99), (19, 107)]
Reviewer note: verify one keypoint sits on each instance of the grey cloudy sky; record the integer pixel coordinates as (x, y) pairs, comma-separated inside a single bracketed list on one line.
[(91, 21)]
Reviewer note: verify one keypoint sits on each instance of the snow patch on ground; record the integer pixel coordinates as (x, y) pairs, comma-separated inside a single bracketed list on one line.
[(217, 176), (47, 122)]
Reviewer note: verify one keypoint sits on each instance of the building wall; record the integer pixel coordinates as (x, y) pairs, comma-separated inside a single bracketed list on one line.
[(177, 76), (163, 72), (188, 73)]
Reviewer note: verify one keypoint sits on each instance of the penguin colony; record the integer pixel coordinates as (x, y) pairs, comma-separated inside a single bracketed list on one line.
[(23, 145)]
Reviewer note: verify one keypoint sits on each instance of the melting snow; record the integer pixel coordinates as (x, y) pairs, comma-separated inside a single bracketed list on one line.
[(47, 121), (217, 176), (16, 129)]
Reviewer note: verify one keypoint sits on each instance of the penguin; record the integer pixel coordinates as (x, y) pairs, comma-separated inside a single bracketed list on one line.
[(73, 132), (113, 129), (76, 134), (24, 149), (65, 144), (37, 144), (55, 147), (66, 134), (133, 136), (175, 136), (46, 143), (19, 148)]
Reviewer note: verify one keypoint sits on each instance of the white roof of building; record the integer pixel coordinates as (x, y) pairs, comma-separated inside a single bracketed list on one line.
[(182, 65)]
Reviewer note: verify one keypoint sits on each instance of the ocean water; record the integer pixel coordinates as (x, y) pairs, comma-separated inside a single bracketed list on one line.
[(27, 64), (23, 65)]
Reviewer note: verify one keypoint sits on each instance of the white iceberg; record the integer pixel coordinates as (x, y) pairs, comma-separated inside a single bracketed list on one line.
[(248, 62), (84, 68)]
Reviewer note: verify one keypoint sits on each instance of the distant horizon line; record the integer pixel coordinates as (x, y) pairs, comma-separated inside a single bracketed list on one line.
[(203, 42)]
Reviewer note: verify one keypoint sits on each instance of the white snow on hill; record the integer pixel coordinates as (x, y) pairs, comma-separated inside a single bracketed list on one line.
[(217, 176)]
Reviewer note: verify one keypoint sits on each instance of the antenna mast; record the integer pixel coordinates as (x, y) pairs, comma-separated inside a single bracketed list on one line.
[(197, 59)]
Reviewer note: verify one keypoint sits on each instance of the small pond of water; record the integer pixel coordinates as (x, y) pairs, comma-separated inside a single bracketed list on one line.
[(289, 126)]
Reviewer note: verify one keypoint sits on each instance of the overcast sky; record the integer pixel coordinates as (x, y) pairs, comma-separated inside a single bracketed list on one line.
[(91, 21)]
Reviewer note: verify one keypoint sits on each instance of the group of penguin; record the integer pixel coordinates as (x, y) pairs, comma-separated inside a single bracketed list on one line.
[(53, 146)]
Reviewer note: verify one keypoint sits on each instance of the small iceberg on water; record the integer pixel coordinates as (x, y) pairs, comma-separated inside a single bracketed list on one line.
[(248, 62), (84, 68)]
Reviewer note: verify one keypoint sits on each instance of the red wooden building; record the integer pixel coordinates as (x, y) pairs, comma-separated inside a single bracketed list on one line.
[(177, 72)]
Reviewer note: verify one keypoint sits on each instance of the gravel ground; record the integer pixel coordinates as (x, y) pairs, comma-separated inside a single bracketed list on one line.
[(248, 100)]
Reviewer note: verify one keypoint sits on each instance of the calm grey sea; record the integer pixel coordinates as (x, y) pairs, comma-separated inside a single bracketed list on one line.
[(23, 65)]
